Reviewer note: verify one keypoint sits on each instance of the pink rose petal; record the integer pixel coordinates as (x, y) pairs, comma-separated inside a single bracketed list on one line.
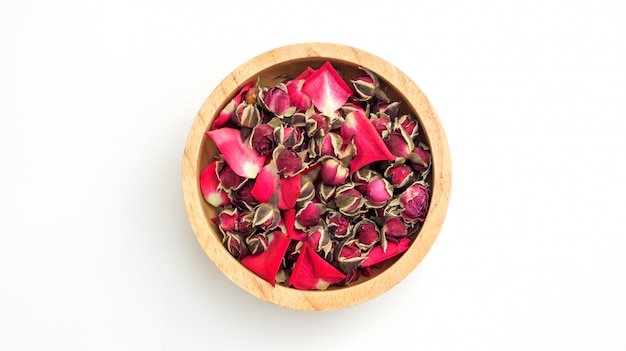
[(300, 100), (370, 147), (377, 255), (289, 218), (209, 186), (327, 89), (267, 263), (311, 272), (243, 160), (266, 183)]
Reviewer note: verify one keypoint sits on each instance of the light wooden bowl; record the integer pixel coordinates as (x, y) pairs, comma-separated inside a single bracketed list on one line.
[(292, 60)]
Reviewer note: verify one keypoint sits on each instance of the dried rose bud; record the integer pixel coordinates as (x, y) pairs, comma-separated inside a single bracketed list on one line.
[(420, 158), (235, 244), (349, 256), (317, 126), (382, 126), (262, 139), (276, 100), (228, 219), (308, 216), (242, 197), (257, 243), (351, 277), (366, 233), (229, 180), (399, 143), (326, 192), (378, 192), (334, 172), (361, 178), (410, 124), (399, 175), (414, 202), (266, 216), (394, 229), (387, 110), (246, 219), (348, 200), (247, 115), (307, 190), (288, 162), (338, 225), (319, 240), (330, 145), (367, 87)]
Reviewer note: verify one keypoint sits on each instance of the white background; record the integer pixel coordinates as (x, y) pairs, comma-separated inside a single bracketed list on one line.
[(97, 97)]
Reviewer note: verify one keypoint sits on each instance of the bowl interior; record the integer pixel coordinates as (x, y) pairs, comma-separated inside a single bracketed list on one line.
[(291, 69)]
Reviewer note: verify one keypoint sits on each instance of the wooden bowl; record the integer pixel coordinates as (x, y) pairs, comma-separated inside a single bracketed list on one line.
[(292, 60)]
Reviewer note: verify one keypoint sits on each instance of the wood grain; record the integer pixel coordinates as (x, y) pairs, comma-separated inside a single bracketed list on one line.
[(291, 60)]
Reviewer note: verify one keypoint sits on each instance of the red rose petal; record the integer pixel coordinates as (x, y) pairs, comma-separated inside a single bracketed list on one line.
[(209, 186), (267, 263), (311, 272), (289, 218), (288, 192), (265, 184), (370, 147), (376, 255), (327, 89), (297, 98), (243, 160)]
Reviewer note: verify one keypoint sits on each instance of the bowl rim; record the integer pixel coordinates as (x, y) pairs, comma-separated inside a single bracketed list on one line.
[(350, 295)]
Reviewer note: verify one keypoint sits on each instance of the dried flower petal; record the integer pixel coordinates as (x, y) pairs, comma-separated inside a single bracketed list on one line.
[(311, 272), (227, 112), (266, 183), (267, 263), (209, 186), (369, 145), (377, 255), (288, 192), (244, 161), (327, 89), (228, 179), (289, 217), (298, 98)]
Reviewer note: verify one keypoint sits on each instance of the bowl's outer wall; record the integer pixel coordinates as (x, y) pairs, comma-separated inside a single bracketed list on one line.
[(291, 61)]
